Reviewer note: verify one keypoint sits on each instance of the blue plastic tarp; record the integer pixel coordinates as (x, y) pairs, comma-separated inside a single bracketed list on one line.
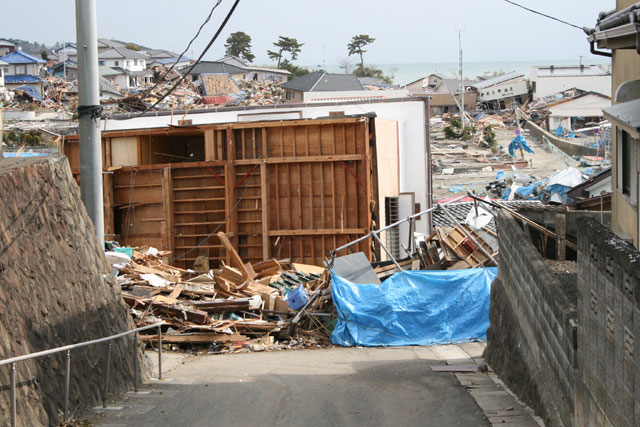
[(414, 308), (518, 143)]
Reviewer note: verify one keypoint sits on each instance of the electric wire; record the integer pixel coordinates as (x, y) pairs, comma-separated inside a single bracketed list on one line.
[(542, 14), (184, 76), (215, 6)]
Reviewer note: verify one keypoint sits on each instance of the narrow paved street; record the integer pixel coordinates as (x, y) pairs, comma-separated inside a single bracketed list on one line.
[(332, 387)]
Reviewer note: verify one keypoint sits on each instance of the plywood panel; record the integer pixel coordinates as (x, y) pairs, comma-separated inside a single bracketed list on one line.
[(124, 151)]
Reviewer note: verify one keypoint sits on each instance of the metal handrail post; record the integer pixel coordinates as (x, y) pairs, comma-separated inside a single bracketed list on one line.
[(13, 395), (375, 236), (67, 377), (107, 374), (159, 352), (135, 362)]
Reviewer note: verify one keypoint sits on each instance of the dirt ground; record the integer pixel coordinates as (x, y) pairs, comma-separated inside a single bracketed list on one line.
[(542, 164)]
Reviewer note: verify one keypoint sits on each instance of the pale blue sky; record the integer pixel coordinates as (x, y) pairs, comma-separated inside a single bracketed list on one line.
[(406, 31)]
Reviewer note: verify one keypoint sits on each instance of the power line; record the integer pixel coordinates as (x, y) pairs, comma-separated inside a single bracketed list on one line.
[(215, 6), (542, 14), (213, 39)]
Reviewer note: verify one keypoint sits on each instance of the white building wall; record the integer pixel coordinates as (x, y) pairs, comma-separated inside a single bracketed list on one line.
[(546, 86), (503, 90), (415, 170)]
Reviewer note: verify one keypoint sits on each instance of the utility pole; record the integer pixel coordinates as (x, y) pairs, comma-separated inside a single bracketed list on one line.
[(461, 79), (89, 112), (64, 61)]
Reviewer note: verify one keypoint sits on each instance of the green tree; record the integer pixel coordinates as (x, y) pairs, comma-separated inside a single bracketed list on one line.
[(44, 55), (288, 45), (294, 69), (239, 44), (357, 46), (133, 46)]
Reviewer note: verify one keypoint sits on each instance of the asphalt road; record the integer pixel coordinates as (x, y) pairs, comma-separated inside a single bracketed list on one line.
[(332, 387)]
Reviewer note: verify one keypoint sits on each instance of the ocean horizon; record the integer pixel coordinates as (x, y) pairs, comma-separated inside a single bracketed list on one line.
[(406, 73)]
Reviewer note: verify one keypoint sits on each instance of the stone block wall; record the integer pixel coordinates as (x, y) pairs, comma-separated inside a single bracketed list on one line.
[(609, 325), (56, 288), (531, 339)]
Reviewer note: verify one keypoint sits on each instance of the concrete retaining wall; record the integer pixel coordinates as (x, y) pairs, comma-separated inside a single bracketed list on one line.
[(56, 288), (568, 147), (569, 350), (531, 323), (609, 324)]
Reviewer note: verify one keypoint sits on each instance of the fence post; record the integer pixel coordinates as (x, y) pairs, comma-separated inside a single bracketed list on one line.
[(159, 352), (67, 377), (107, 374), (135, 362), (13, 395)]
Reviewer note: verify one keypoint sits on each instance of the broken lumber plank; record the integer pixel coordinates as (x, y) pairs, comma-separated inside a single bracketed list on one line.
[(248, 274)]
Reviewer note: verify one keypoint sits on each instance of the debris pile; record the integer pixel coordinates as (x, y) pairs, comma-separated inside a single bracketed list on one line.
[(253, 307)]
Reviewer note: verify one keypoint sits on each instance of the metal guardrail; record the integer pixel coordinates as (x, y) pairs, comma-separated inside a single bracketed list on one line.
[(68, 348)]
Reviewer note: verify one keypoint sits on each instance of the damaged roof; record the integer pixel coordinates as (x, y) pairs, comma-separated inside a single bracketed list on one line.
[(22, 78), (483, 84), (460, 211), (320, 81), (210, 67)]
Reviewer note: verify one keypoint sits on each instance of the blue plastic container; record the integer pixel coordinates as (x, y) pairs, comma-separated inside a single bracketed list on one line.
[(297, 298)]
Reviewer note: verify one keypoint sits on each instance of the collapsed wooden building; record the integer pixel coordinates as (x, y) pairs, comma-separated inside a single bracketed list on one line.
[(280, 189)]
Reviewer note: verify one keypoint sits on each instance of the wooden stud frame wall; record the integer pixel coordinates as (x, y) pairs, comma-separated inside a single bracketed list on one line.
[(287, 189)]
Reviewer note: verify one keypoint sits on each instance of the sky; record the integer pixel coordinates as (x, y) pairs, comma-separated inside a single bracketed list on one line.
[(405, 31)]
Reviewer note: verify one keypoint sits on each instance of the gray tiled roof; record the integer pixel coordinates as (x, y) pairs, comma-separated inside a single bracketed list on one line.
[(121, 53), (320, 81), (209, 67), (460, 211)]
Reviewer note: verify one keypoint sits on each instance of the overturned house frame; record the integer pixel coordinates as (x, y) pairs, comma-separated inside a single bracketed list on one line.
[(280, 189)]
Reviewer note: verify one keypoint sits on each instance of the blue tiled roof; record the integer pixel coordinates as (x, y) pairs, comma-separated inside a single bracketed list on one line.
[(20, 57), (31, 91), (22, 78)]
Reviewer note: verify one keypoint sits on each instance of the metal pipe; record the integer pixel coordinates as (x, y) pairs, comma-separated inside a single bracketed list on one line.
[(395, 224), (67, 377), (375, 236), (89, 114), (13, 395), (75, 346), (159, 353), (135, 362), (482, 249), (107, 374)]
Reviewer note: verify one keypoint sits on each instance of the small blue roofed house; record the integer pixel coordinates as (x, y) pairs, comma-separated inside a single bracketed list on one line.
[(29, 92), (23, 69)]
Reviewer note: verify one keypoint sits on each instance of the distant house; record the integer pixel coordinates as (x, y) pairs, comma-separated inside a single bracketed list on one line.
[(23, 69), (67, 51), (21, 63), (549, 80), (319, 81), (106, 44), (131, 65), (502, 91), (166, 58), (577, 112), (212, 67), (259, 74), (3, 69), (70, 67), (430, 81), (108, 91), (6, 47)]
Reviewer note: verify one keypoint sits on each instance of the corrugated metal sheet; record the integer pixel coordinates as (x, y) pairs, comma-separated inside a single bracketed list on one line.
[(576, 71)]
